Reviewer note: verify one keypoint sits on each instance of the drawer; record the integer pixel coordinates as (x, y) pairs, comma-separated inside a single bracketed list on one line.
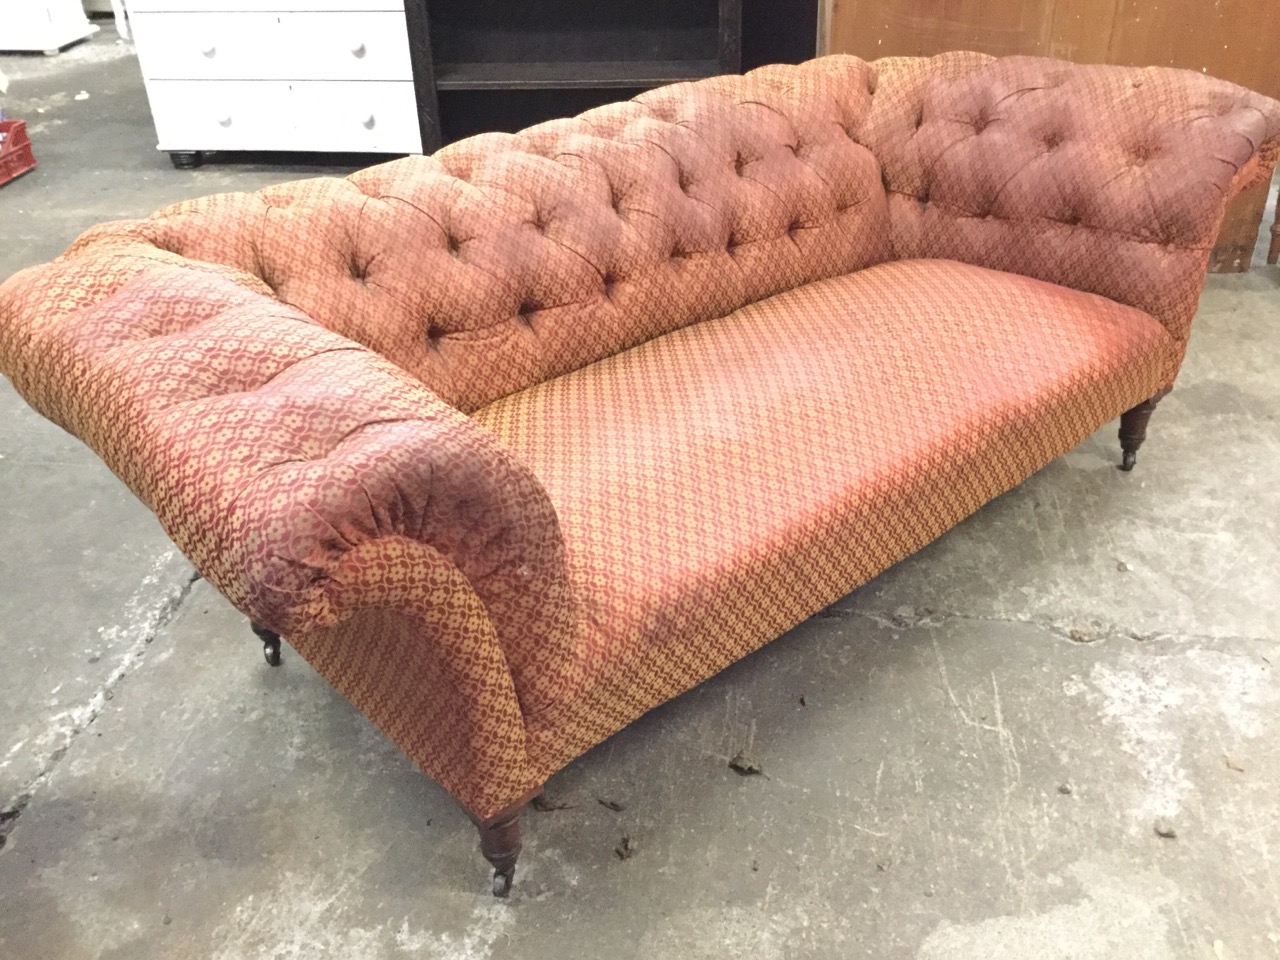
[(222, 115), (373, 117), (273, 46), (354, 116)]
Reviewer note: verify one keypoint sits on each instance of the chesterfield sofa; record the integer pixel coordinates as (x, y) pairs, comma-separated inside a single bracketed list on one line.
[(559, 424)]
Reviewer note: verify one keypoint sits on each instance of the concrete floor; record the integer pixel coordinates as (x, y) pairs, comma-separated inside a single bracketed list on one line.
[(988, 736)]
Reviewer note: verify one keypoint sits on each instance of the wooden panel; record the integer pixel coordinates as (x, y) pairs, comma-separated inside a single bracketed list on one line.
[(880, 28), (1233, 39), (1082, 30), (1237, 40), (1233, 252)]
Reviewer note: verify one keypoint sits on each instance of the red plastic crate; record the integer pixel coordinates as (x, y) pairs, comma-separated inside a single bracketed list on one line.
[(16, 157)]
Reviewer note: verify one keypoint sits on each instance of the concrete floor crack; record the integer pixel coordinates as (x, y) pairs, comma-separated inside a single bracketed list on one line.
[(1083, 631), (70, 724)]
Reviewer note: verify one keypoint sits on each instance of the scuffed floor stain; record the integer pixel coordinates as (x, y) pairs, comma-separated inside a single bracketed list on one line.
[(1120, 916), (489, 923), (1150, 700), (734, 931), (777, 928), (310, 921)]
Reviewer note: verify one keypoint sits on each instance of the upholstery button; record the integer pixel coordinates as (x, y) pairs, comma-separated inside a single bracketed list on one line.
[(455, 246), (435, 333), (739, 164)]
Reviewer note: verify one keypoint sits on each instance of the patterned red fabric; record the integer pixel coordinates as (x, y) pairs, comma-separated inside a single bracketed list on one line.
[(718, 485), (1101, 178), (284, 376)]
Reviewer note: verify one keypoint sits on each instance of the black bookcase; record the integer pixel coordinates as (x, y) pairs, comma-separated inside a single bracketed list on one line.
[(501, 64)]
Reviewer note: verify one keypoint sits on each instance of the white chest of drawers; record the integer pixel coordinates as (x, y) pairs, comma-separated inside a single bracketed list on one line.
[(46, 25), (307, 75)]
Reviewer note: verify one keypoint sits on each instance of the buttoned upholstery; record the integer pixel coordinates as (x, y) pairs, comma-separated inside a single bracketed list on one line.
[(379, 413), (1101, 178)]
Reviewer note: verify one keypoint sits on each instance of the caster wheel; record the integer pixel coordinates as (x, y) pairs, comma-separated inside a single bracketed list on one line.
[(186, 159), (502, 883), (271, 651), (1130, 458), (270, 643)]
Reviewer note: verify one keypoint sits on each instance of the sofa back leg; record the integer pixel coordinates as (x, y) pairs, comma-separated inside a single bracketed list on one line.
[(500, 842), (1133, 428)]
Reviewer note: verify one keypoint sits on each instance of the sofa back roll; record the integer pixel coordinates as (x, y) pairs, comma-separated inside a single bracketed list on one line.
[(505, 260), (1108, 179)]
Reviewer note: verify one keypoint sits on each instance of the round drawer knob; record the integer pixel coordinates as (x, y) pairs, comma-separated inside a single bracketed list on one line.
[(359, 52), (368, 124), (226, 122), (211, 52)]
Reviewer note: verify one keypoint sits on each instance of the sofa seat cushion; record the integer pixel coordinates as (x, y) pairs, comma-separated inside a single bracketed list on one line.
[(721, 483)]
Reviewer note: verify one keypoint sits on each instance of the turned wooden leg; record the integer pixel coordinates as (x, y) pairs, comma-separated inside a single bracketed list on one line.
[(500, 843), (1133, 428)]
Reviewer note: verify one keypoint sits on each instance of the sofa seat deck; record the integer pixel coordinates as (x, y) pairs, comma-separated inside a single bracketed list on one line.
[(718, 484)]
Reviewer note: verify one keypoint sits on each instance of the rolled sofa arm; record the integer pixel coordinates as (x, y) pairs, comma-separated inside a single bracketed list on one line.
[(280, 456), (1108, 179)]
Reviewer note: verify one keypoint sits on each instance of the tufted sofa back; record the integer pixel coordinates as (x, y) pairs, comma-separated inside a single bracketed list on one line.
[(1108, 179), (505, 260)]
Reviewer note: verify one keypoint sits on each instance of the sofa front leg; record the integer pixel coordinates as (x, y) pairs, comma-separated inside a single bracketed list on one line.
[(1133, 428), (500, 842), (270, 643)]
